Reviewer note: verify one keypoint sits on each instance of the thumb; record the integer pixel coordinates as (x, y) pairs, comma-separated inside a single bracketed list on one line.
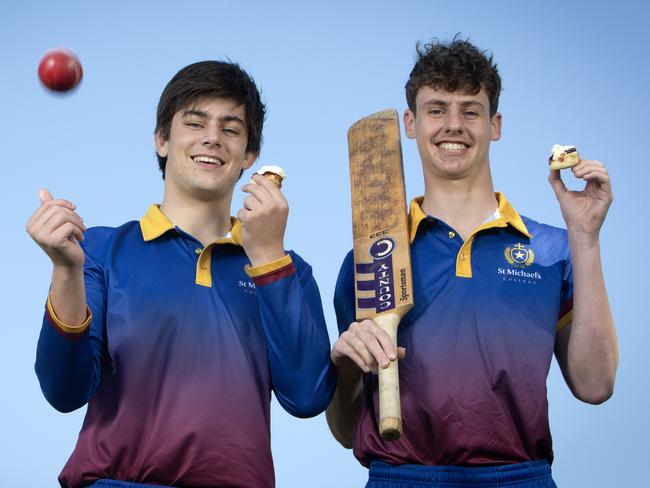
[(44, 195), (556, 182)]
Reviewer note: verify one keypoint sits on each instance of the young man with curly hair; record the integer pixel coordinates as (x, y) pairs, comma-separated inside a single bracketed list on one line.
[(174, 329), (496, 294)]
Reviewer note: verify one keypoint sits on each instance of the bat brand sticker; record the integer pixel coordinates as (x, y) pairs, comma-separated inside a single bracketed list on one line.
[(381, 282)]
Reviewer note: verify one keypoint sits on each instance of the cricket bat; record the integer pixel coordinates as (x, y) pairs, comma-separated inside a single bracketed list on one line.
[(382, 261)]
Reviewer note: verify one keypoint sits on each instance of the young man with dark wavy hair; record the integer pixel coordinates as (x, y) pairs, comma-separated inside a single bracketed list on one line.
[(496, 294), (174, 329)]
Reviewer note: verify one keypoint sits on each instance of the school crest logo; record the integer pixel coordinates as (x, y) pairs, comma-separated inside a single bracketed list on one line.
[(519, 256)]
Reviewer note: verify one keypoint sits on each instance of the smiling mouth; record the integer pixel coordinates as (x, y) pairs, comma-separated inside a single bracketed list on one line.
[(208, 160), (452, 147)]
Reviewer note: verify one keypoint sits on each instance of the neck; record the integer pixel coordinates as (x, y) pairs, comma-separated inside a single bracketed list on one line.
[(207, 220), (464, 203)]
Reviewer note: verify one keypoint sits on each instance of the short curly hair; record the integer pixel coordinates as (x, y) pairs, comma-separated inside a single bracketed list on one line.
[(219, 79), (451, 66)]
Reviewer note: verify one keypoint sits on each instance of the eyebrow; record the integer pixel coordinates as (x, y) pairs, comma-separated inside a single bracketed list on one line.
[(205, 115), (465, 103)]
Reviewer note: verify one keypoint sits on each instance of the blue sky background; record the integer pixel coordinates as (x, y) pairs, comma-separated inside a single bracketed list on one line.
[(573, 73)]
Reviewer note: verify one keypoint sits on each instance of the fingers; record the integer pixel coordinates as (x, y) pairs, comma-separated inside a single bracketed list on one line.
[(342, 349), (55, 218), (47, 201), (251, 203), (46, 213), (66, 232), (595, 173), (264, 190), (556, 182), (586, 169), (591, 170), (44, 195), (368, 346), (264, 198), (49, 224)]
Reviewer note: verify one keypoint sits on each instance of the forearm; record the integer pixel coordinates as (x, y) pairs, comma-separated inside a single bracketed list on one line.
[(302, 374), (66, 365), (68, 355), (68, 294), (592, 349), (298, 345), (342, 410)]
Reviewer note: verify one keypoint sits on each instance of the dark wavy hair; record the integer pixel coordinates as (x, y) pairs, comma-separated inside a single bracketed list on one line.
[(219, 79), (451, 66)]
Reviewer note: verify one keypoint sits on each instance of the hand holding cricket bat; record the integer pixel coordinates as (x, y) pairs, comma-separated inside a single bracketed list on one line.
[(383, 288)]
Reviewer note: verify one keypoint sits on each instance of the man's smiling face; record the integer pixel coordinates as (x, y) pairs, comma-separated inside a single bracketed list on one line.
[(453, 131), (206, 149)]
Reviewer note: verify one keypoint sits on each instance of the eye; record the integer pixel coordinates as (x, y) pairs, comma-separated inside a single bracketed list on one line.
[(471, 114), (193, 125), (231, 131), (435, 112)]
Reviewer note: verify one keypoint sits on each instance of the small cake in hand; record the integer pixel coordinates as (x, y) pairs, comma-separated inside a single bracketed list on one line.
[(563, 157), (273, 173)]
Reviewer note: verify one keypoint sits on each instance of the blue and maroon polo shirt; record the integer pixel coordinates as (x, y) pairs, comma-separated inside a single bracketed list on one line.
[(479, 343), (179, 355)]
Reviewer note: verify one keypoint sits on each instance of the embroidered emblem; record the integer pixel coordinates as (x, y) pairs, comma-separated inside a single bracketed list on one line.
[(519, 256)]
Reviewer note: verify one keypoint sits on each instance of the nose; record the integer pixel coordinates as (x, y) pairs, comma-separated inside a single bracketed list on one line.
[(453, 123), (211, 137)]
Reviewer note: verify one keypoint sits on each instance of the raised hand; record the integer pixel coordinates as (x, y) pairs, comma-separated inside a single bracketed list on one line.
[(584, 211), (264, 220), (57, 229)]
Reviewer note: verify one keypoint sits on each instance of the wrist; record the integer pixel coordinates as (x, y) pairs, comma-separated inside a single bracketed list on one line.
[(260, 257), (62, 272), (348, 373), (580, 240)]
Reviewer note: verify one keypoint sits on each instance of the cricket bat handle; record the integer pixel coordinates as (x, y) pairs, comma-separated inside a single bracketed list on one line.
[(390, 415)]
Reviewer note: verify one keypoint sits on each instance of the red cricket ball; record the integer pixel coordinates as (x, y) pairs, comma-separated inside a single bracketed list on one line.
[(60, 69)]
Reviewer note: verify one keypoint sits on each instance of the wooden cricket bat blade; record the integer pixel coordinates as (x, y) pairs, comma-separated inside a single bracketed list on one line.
[(382, 262)]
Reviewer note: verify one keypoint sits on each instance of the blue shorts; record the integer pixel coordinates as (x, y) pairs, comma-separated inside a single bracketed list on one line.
[(533, 474)]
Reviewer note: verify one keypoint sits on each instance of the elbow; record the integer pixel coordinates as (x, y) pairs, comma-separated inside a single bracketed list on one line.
[(342, 435), (60, 401), (596, 396), (60, 395), (64, 407), (304, 407), (306, 399), (311, 399), (594, 384), (595, 392)]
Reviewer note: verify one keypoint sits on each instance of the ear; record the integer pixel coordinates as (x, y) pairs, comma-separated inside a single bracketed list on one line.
[(495, 127), (409, 123), (249, 159), (161, 145)]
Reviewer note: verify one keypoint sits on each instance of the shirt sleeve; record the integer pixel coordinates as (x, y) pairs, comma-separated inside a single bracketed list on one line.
[(565, 315), (68, 361), (344, 305), (292, 317)]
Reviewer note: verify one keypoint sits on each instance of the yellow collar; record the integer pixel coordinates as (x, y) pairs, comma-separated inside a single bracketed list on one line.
[(155, 223), (507, 216)]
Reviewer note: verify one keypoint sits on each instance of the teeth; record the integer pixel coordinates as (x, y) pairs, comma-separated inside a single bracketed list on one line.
[(452, 146), (206, 159)]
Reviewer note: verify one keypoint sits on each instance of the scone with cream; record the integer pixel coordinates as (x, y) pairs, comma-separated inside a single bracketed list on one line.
[(563, 157), (273, 173)]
